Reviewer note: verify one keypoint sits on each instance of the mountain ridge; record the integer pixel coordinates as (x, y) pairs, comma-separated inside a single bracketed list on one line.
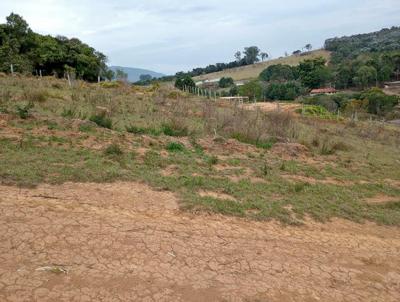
[(135, 73)]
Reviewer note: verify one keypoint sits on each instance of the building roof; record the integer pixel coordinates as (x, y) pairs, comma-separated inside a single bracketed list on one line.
[(323, 90)]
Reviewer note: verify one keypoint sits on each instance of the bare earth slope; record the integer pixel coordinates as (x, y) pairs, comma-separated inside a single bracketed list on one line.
[(127, 242), (253, 71)]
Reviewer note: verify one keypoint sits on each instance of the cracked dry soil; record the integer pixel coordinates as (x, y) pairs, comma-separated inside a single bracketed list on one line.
[(128, 242)]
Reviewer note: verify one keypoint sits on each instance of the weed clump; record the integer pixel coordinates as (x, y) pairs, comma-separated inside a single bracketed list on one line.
[(175, 147), (101, 120), (113, 150), (143, 130), (23, 111), (213, 160), (174, 129)]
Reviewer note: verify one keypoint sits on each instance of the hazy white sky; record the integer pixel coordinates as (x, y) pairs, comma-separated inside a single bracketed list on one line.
[(173, 35)]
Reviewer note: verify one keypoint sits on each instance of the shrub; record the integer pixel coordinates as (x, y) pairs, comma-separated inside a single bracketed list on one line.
[(101, 120), (317, 111), (175, 147), (113, 150)]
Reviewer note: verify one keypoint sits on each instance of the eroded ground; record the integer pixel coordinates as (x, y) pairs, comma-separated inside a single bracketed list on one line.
[(127, 242)]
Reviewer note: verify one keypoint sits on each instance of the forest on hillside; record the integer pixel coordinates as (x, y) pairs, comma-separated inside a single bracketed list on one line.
[(350, 47), (30, 52)]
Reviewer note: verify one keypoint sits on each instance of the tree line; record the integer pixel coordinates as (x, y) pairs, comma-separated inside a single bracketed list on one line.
[(30, 52)]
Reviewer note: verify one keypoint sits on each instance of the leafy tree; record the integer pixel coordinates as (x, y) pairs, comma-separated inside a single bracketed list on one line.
[(279, 72), (264, 56), (145, 77), (121, 75), (28, 51), (252, 89), (365, 76), (296, 52), (378, 102), (238, 56), (314, 73), (252, 54), (225, 82), (308, 47), (343, 76), (109, 74), (284, 91), (184, 81)]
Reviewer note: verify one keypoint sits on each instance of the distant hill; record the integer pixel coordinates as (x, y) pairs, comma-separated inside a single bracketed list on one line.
[(135, 73), (253, 71)]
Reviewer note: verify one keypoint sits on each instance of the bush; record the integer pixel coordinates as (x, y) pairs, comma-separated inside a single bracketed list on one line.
[(175, 147), (101, 120), (316, 111)]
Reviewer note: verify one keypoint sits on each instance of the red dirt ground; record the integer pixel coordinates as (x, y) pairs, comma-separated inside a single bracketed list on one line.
[(128, 242)]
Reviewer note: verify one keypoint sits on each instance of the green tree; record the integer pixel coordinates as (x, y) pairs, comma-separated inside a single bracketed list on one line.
[(314, 73), (264, 56), (252, 89), (121, 75), (378, 102), (145, 77), (284, 91), (238, 56), (279, 72), (225, 82), (365, 76), (252, 54), (184, 81)]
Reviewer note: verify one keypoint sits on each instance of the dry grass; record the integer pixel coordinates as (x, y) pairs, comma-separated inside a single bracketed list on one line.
[(57, 143)]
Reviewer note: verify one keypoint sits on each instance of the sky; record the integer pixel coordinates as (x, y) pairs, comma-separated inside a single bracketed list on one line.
[(178, 35)]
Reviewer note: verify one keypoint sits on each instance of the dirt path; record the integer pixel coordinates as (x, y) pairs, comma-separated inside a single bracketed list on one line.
[(127, 242)]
